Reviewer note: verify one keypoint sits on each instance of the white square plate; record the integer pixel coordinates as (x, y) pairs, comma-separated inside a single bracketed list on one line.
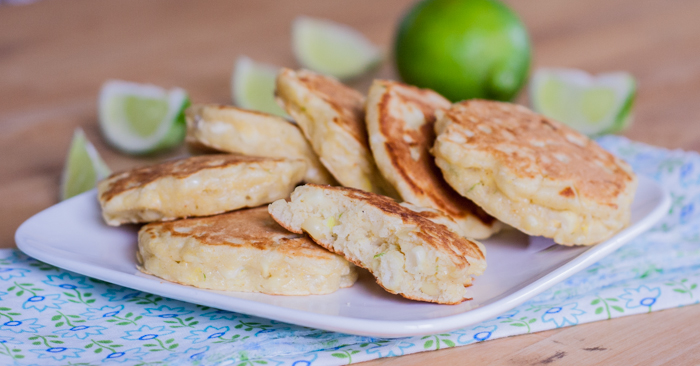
[(72, 235)]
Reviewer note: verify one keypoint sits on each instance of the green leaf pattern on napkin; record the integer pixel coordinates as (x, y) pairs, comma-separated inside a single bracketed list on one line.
[(53, 317)]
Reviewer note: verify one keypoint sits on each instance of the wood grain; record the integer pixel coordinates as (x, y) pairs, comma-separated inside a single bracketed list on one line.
[(632, 340), (54, 55)]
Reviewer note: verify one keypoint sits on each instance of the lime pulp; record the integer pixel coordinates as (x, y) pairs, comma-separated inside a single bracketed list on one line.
[(142, 118), (144, 114), (83, 167), (253, 86), (591, 105), (333, 49)]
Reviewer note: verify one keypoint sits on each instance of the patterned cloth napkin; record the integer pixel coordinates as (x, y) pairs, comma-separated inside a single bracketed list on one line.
[(52, 317)]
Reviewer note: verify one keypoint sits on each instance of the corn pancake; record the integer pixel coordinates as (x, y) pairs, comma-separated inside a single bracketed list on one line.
[(534, 173), (332, 117), (245, 250), (408, 252), (239, 131), (400, 122), (197, 186)]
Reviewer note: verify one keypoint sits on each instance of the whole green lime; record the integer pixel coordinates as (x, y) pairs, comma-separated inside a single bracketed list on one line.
[(463, 49)]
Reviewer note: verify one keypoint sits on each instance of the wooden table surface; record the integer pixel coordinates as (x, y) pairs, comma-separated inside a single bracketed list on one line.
[(54, 55)]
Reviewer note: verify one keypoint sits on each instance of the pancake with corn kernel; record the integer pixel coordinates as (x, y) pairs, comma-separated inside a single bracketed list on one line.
[(239, 131), (400, 122), (332, 117), (534, 173), (197, 186), (244, 250), (406, 248)]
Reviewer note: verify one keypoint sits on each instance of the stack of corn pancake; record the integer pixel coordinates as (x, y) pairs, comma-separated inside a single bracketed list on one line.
[(241, 217)]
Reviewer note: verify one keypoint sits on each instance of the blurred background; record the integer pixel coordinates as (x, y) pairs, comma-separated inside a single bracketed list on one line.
[(56, 54)]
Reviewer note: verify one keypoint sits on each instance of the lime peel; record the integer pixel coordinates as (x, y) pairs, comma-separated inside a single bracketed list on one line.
[(333, 49), (83, 168), (593, 105), (142, 118), (253, 86), (463, 49)]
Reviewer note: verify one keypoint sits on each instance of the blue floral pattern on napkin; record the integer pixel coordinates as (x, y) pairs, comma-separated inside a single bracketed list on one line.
[(52, 317)]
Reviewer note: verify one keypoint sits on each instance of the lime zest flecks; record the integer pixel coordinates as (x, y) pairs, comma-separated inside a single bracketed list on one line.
[(331, 222)]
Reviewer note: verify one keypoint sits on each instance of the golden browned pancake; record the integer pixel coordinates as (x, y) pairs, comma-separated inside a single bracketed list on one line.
[(332, 117), (534, 173), (239, 131), (197, 186), (244, 250), (400, 122), (406, 248)]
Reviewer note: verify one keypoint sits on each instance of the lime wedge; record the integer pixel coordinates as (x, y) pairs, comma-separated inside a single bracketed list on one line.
[(253, 86), (83, 168), (333, 49), (592, 105), (139, 118)]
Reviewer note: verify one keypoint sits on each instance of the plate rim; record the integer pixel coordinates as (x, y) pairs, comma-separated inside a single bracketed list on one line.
[(345, 324)]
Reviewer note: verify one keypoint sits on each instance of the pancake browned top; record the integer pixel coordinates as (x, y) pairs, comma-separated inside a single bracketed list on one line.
[(332, 117), (404, 118), (530, 146), (182, 168), (251, 227), (432, 233), (346, 101)]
